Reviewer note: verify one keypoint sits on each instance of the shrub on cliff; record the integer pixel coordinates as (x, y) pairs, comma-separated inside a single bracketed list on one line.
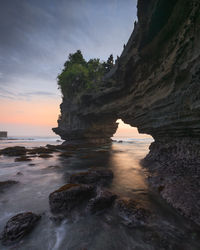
[(80, 75)]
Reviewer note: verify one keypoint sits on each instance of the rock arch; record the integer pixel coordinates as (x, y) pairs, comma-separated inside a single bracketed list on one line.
[(155, 86)]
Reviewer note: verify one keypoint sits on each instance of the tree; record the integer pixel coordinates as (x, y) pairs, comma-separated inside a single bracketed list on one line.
[(109, 64), (79, 75)]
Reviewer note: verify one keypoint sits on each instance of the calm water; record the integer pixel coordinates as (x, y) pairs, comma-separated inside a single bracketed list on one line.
[(167, 229)]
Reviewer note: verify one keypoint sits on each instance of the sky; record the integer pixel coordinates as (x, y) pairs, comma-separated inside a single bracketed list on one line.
[(35, 40)]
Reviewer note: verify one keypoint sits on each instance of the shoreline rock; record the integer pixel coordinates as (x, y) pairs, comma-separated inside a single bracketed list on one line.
[(70, 196), (95, 176), (18, 226)]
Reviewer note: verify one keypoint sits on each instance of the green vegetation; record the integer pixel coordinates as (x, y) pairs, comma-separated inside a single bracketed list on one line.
[(80, 75)]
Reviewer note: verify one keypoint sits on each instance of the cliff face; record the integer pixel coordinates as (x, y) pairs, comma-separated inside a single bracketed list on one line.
[(154, 86)]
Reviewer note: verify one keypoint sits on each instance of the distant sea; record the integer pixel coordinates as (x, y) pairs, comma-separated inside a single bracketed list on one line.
[(36, 141)]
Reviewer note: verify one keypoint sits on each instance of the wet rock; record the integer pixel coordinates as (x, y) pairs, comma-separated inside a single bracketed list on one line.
[(70, 196), (18, 226), (131, 212), (45, 156), (19, 173), (6, 184), (23, 158), (54, 167), (102, 201), (94, 176), (66, 155), (31, 164), (41, 150), (62, 147), (13, 151)]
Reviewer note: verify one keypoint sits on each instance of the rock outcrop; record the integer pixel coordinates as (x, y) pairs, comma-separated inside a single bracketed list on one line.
[(154, 86), (18, 226)]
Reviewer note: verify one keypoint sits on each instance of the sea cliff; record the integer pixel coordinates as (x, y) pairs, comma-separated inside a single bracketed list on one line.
[(154, 86)]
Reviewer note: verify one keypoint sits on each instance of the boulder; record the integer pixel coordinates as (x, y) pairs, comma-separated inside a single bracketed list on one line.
[(131, 212), (102, 201), (94, 176), (70, 196), (13, 151), (18, 226)]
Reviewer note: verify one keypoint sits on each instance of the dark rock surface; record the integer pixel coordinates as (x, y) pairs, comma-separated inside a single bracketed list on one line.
[(132, 212), (102, 201), (18, 226), (174, 172), (70, 196), (6, 184), (94, 176), (22, 158), (13, 151), (41, 150), (154, 86)]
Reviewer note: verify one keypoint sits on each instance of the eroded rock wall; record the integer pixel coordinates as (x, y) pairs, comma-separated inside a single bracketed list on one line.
[(155, 86)]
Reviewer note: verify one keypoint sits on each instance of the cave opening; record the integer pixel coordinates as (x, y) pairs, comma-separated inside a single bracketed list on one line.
[(126, 131)]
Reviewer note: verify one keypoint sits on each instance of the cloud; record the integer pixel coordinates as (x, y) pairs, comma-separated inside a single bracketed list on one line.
[(37, 36)]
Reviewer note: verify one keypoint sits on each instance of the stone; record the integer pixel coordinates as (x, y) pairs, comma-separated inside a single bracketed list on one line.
[(45, 156), (6, 184), (66, 155), (41, 150), (102, 201), (94, 176), (23, 158), (131, 212), (18, 226), (70, 196), (13, 151)]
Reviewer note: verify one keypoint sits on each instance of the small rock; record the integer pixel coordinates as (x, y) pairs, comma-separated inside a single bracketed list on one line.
[(66, 154), (6, 184), (94, 176), (45, 156), (18, 226), (13, 151), (41, 150), (69, 196), (101, 202), (31, 164), (132, 212), (23, 158), (19, 173)]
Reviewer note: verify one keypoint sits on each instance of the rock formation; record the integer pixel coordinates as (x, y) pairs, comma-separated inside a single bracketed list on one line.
[(154, 86)]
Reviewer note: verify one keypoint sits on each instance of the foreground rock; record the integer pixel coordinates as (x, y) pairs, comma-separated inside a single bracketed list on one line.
[(13, 151), (174, 172), (70, 196), (18, 226), (131, 212), (102, 201), (95, 176), (6, 184)]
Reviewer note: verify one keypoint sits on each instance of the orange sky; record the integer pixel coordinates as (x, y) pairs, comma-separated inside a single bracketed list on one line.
[(39, 115)]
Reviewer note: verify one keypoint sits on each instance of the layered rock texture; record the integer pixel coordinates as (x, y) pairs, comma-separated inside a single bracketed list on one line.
[(154, 86)]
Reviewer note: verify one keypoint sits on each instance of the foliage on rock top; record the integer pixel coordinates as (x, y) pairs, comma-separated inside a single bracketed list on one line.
[(79, 75)]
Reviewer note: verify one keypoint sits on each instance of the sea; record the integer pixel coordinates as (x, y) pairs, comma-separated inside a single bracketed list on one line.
[(165, 228)]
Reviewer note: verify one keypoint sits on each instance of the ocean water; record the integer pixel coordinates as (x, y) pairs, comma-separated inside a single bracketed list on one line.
[(166, 230)]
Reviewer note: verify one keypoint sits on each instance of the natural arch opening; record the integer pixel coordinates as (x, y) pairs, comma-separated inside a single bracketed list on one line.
[(125, 131)]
